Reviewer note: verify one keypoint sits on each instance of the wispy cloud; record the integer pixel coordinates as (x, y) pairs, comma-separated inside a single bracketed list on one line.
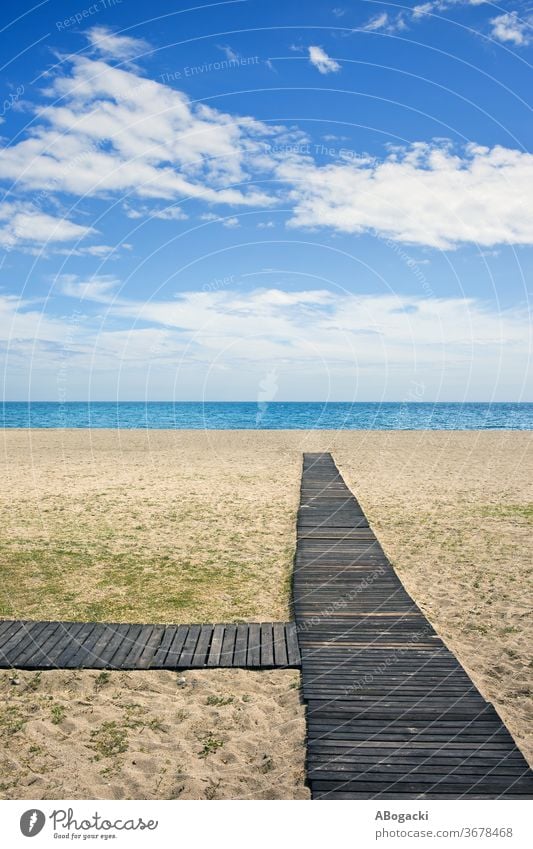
[(113, 46), (312, 338), (320, 60), (386, 23)]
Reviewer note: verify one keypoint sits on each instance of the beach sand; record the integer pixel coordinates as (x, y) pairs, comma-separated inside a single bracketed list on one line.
[(222, 734), (199, 526)]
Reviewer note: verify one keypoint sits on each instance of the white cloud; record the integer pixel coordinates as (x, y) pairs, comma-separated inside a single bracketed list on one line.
[(231, 223), (229, 53), (109, 45), (511, 29), (112, 131), (386, 23), (324, 63), (423, 9), (425, 194), (22, 224), (97, 288), (377, 22), (167, 213), (329, 341)]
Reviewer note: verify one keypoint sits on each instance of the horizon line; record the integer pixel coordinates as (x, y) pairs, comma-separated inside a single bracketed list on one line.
[(250, 401)]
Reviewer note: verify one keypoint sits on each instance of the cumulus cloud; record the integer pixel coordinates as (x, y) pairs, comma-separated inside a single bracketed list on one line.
[(427, 194), (324, 63), (110, 130), (510, 29)]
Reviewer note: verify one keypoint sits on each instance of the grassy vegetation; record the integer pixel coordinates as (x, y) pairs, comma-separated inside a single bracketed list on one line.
[(518, 512), (174, 543)]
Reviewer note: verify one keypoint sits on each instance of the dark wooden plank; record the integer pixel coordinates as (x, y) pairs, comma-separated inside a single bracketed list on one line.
[(22, 643), (201, 651), (267, 644), (216, 646), (55, 636), (129, 636), (241, 646), (280, 644), (293, 649), (146, 657), (76, 638), (189, 646), (228, 645), (254, 645), (138, 645), (174, 652), (162, 651), (8, 627), (116, 636)]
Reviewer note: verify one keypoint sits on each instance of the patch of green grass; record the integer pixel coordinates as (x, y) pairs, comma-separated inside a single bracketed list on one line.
[(58, 713), (508, 511)]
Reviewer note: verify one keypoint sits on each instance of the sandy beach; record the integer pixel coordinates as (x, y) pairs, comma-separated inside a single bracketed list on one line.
[(222, 734), (171, 526)]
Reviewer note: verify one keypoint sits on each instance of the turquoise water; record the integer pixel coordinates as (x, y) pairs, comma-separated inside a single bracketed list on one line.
[(274, 415)]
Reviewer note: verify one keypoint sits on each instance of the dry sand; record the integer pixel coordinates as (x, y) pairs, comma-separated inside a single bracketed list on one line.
[(183, 526), (222, 734)]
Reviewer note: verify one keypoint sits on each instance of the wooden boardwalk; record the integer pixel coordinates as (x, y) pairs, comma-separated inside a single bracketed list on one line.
[(391, 713), (91, 645)]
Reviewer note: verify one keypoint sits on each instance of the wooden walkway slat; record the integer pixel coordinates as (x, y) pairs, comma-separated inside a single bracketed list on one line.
[(92, 645), (390, 711)]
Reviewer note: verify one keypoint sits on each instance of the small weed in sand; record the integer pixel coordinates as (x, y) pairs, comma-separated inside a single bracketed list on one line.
[(135, 718), (108, 740), (34, 682), (58, 714), (11, 720), (219, 701), (211, 744), (101, 680)]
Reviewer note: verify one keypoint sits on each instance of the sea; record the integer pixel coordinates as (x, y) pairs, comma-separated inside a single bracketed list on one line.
[(281, 415)]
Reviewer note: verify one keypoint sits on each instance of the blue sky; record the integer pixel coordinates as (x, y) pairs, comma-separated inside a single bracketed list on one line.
[(332, 200)]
